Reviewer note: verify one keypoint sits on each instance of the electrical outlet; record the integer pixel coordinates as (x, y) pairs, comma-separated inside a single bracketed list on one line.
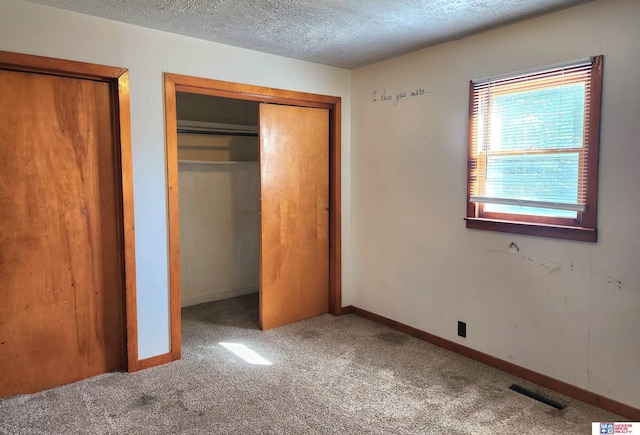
[(462, 329)]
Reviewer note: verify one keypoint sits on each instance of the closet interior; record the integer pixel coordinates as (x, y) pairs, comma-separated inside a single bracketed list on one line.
[(219, 197)]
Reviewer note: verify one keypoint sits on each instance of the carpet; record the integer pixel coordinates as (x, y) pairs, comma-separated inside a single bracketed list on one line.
[(324, 375)]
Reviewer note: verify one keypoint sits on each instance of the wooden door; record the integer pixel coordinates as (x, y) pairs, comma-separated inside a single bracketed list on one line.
[(61, 249), (294, 171)]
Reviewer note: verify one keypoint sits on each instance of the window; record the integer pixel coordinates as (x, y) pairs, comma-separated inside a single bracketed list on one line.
[(533, 151)]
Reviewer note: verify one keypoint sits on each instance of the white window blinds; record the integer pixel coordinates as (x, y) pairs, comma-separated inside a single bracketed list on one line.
[(528, 151)]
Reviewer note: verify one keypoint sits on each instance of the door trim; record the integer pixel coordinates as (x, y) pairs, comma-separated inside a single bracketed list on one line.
[(118, 79), (181, 83)]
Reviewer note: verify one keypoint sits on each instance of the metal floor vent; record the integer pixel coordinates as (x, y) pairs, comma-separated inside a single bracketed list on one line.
[(517, 388)]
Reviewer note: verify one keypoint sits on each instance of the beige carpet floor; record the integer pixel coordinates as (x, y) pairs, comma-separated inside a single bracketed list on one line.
[(325, 375)]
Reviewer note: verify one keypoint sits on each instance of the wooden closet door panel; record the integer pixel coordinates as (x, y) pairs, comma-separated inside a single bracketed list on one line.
[(61, 266), (294, 168)]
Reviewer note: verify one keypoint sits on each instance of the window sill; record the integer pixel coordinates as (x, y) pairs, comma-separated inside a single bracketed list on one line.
[(534, 229)]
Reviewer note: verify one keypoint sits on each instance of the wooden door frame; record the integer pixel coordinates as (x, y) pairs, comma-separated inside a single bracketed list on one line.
[(118, 80), (181, 83)]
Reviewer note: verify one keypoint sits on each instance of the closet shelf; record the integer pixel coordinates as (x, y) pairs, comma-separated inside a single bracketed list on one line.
[(205, 162)]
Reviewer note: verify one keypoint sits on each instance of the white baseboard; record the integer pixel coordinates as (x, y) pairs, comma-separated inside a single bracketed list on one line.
[(195, 300)]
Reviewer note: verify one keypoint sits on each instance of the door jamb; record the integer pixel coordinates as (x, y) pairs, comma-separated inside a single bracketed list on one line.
[(118, 79), (181, 83)]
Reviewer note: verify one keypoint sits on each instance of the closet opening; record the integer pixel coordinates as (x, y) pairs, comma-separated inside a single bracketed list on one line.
[(299, 249), (219, 207)]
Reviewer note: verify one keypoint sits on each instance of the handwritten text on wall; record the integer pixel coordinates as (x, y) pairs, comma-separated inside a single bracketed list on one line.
[(395, 99)]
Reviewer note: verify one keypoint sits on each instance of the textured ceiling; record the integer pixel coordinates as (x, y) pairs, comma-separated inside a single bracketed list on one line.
[(343, 33)]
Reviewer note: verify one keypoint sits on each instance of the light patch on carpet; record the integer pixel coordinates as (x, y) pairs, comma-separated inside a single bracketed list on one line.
[(246, 354)]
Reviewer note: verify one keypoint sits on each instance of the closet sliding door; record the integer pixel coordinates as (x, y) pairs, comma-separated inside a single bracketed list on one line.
[(294, 172)]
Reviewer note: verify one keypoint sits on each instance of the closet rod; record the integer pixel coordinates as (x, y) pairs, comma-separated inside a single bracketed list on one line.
[(216, 128), (216, 133)]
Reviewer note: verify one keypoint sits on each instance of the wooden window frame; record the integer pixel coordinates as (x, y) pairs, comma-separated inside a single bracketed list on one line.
[(584, 226)]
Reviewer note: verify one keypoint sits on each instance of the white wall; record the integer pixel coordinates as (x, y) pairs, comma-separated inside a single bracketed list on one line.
[(219, 230), (570, 310), (41, 30)]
